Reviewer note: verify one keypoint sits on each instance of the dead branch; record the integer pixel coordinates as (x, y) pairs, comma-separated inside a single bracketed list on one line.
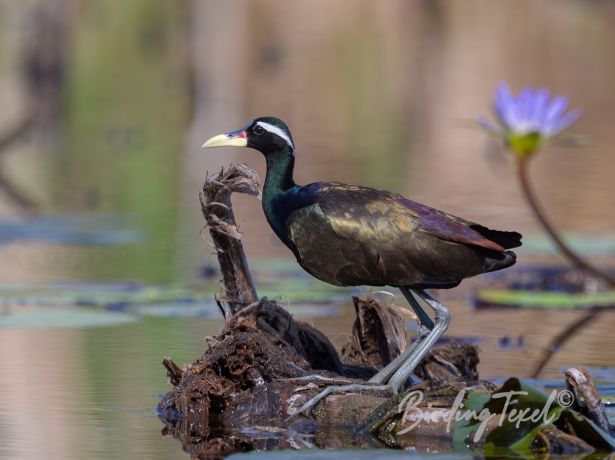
[(239, 290)]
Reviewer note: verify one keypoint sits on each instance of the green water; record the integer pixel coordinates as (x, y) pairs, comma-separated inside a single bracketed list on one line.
[(127, 108)]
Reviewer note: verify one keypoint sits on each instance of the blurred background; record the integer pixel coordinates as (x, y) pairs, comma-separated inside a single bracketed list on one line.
[(105, 105)]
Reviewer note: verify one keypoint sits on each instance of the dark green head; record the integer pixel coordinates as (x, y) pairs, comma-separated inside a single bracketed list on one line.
[(268, 135)]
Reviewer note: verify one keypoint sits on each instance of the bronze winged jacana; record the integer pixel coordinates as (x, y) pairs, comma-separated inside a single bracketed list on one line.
[(348, 235)]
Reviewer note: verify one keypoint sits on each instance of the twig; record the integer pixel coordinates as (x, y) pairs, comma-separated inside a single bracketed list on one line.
[(174, 372), (586, 398)]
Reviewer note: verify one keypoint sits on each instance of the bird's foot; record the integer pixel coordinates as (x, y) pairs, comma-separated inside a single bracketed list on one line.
[(355, 387)]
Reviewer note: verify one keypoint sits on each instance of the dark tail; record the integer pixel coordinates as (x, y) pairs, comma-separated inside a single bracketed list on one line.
[(499, 260), (507, 240)]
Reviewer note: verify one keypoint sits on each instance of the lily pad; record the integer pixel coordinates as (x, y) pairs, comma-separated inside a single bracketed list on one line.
[(512, 437), (46, 318), (72, 229), (112, 296), (543, 299), (157, 300), (93, 294), (178, 310)]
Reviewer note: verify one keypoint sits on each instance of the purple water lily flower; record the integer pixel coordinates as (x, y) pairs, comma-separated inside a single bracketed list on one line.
[(526, 120)]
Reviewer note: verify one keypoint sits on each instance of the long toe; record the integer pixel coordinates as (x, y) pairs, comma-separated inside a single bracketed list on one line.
[(353, 388)]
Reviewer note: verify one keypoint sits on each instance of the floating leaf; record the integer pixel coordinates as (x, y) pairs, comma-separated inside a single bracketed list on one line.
[(543, 299), (113, 296), (62, 317), (511, 438), (132, 293), (519, 438), (152, 300), (69, 229), (178, 310), (464, 429)]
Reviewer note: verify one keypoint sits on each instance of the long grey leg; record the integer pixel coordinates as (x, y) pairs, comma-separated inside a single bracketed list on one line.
[(424, 318), (425, 325), (442, 320), (385, 374), (402, 366)]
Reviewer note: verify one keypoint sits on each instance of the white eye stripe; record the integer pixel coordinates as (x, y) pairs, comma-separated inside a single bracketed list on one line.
[(277, 131)]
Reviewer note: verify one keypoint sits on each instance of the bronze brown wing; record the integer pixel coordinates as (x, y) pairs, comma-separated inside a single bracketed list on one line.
[(353, 235)]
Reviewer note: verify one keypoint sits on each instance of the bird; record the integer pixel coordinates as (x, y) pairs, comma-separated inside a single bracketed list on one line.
[(351, 235)]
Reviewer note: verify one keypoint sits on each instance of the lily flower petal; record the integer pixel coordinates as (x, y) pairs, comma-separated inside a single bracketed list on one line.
[(488, 125), (532, 114)]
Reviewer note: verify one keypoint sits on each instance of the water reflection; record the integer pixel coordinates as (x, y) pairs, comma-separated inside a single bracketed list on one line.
[(90, 393)]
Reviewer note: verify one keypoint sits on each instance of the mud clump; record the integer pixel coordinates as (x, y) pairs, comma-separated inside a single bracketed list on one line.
[(238, 382)]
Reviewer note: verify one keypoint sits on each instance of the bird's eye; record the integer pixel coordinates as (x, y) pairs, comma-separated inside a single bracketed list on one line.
[(258, 130)]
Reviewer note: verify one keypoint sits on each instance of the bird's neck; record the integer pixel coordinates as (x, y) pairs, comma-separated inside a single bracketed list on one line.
[(279, 192), (279, 177)]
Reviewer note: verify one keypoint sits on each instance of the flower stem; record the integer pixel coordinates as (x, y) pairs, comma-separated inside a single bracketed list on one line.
[(577, 261)]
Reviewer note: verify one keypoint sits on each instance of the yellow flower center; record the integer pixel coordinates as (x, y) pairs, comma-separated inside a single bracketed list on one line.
[(524, 145)]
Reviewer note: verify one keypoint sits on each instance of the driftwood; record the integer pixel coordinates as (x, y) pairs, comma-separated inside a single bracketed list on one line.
[(245, 391), (256, 374), (378, 333), (218, 213), (586, 398)]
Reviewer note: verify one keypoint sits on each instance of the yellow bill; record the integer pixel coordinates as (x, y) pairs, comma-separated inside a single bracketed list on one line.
[(235, 139)]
